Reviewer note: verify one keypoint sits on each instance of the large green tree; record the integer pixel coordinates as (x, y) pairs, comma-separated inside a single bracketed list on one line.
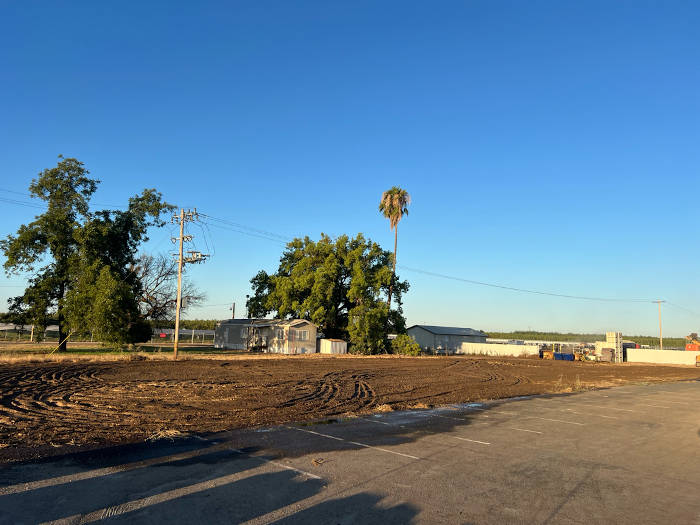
[(81, 261), (394, 205), (339, 284)]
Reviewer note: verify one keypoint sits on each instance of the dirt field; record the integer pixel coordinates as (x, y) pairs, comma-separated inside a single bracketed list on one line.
[(51, 408)]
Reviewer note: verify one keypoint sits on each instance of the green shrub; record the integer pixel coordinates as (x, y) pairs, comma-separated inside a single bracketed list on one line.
[(405, 344)]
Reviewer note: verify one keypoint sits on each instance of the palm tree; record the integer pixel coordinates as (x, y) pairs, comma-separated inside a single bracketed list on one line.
[(394, 205)]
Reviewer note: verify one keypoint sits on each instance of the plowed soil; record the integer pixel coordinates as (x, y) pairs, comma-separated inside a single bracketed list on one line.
[(51, 408)]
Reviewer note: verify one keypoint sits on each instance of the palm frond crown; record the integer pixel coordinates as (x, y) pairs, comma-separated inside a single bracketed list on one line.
[(394, 205)]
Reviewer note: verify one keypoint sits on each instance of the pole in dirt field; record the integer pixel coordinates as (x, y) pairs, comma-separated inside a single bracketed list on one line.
[(661, 337), (182, 218)]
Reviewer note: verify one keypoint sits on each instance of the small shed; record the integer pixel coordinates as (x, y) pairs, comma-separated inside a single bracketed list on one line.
[(445, 338), (333, 346)]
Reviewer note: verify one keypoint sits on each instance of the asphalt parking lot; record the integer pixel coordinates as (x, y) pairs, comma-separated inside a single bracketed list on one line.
[(622, 455)]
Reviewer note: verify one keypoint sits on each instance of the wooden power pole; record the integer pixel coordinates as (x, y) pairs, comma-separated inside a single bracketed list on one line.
[(182, 218), (661, 335)]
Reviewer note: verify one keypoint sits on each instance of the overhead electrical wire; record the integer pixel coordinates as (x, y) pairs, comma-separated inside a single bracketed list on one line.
[(525, 290), (275, 237), (242, 228), (229, 225), (43, 206)]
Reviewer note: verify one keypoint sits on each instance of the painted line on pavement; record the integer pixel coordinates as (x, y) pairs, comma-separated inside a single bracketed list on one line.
[(354, 442), (587, 414), (526, 430), (608, 408), (449, 417), (316, 433), (471, 440), (383, 449), (556, 420), (655, 406), (377, 421)]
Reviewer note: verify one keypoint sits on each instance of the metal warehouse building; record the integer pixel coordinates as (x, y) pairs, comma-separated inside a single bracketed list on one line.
[(447, 338)]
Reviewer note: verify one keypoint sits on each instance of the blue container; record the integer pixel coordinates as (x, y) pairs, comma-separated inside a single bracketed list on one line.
[(563, 357)]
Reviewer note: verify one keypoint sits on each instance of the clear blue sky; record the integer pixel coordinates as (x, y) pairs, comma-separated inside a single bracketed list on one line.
[(546, 145)]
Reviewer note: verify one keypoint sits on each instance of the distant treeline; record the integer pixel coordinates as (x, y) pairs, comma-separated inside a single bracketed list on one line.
[(669, 342), (187, 324)]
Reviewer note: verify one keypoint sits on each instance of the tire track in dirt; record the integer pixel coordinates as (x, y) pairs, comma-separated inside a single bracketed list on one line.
[(96, 404)]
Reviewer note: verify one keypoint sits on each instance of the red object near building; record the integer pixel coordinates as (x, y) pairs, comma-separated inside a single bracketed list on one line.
[(162, 335), (693, 347)]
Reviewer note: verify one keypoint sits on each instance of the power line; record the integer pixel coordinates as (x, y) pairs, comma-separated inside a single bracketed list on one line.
[(23, 203), (263, 233), (248, 233), (687, 310), (524, 290), (275, 237), (43, 206)]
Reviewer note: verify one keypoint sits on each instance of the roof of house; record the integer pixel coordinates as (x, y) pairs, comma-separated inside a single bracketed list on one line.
[(449, 330), (266, 322)]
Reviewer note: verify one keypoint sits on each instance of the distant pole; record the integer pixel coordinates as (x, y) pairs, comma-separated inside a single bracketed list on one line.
[(31, 337), (179, 284), (247, 312), (661, 336), (233, 311)]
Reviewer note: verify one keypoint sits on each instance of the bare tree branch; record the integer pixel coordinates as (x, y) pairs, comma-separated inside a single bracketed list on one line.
[(158, 277)]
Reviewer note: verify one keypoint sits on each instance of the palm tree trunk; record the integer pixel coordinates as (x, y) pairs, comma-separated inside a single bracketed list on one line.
[(393, 272)]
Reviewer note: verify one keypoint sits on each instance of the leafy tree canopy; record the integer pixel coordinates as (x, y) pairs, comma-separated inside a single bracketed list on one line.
[(81, 260), (339, 284), (405, 344)]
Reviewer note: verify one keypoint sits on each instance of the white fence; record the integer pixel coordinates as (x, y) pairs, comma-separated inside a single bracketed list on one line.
[(666, 357), (498, 349)]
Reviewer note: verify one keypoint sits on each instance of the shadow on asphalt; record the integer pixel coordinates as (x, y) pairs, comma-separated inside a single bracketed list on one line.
[(215, 485), (219, 479)]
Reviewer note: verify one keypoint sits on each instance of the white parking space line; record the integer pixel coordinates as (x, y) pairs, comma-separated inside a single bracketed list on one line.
[(383, 450), (377, 421), (316, 433), (556, 420), (471, 440), (608, 408), (450, 417), (526, 430), (354, 442), (655, 406), (587, 414)]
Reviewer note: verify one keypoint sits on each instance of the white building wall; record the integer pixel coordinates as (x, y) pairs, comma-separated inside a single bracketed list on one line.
[(498, 349), (333, 346), (667, 357)]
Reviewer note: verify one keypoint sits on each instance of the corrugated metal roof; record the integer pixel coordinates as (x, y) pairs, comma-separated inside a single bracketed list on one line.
[(449, 330)]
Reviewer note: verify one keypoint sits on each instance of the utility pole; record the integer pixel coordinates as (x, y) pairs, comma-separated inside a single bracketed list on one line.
[(661, 336), (182, 218), (233, 311)]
